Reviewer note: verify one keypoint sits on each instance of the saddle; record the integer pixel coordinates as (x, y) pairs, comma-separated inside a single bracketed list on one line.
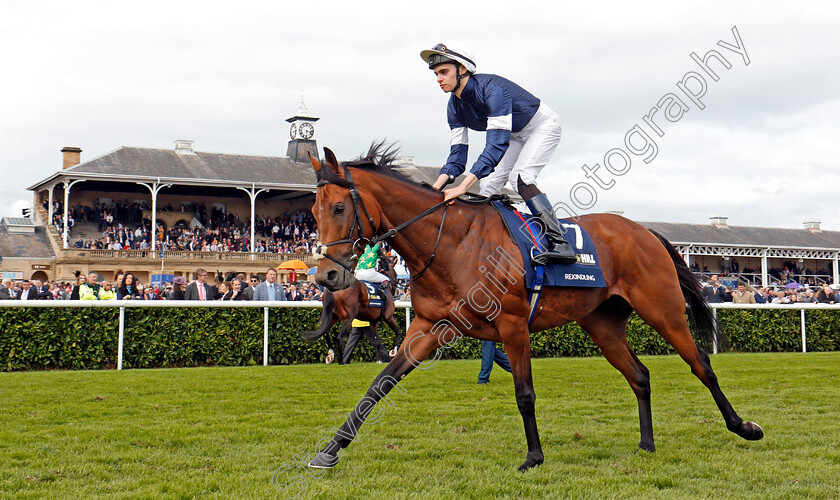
[(376, 294), (526, 231)]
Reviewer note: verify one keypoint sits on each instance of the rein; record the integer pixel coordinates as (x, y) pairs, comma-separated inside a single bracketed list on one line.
[(434, 250), (320, 250)]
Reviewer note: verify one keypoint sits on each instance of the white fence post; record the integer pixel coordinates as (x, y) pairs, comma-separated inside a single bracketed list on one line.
[(714, 333), (120, 341), (265, 336), (803, 329), (407, 318)]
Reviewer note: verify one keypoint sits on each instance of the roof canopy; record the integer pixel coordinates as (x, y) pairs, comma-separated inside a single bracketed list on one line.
[(742, 235), (130, 164)]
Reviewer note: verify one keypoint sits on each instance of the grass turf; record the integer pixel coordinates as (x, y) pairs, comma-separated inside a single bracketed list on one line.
[(231, 432)]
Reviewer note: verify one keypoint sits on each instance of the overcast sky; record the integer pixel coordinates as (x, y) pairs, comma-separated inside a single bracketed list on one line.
[(763, 151)]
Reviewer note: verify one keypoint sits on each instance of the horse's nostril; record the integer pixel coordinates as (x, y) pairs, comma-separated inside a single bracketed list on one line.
[(332, 276)]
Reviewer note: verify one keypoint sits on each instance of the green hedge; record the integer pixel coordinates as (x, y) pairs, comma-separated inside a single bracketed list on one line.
[(64, 338)]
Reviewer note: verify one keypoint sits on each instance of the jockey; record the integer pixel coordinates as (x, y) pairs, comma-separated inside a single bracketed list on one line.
[(366, 267), (522, 134)]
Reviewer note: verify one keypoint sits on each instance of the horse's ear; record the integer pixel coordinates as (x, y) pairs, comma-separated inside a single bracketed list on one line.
[(315, 163), (331, 160)]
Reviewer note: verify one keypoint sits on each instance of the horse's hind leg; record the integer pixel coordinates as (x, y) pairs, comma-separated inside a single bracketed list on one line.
[(607, 326), (392, 323), (332, 342), (664, 312), (388, 317), (382, 355), (343, 334)]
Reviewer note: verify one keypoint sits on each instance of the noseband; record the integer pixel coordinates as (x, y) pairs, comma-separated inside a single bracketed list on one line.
[(358, 243)]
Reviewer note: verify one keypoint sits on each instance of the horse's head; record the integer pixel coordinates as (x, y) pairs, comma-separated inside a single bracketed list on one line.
[(344, 223)]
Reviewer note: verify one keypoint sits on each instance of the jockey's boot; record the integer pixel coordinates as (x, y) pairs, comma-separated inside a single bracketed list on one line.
[(557, 249)]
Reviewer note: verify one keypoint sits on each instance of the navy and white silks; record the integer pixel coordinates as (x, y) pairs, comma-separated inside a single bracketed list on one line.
[(522, 132)]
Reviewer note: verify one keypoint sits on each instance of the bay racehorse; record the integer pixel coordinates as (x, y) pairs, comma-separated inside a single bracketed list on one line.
[(354, 303), (472, 284)]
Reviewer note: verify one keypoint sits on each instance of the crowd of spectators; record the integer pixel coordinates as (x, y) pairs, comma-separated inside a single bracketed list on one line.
[(238, 287), (121, 226), (715, 292), (128, 287)]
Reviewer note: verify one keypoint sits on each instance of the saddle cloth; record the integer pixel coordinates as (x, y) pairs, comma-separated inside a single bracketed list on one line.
[(586, 272), (376, 298)]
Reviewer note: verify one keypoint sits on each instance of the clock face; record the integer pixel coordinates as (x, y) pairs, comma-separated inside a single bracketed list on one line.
[(293, 131), (306, 130)]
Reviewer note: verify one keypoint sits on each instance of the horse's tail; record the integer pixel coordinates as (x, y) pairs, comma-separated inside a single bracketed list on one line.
[(326, 318), (701, 317)]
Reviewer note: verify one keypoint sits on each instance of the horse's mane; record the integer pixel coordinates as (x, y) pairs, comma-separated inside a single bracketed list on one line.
[(380, 158)]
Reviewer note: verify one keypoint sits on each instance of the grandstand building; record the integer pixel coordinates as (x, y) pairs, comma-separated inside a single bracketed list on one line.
[(173, 185), (761, 255)]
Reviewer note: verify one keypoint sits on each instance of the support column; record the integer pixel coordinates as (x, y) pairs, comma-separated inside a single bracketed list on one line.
[(50, 209), (155, 189), (253, 193), (835, 271), (67, 186), (764, 281)]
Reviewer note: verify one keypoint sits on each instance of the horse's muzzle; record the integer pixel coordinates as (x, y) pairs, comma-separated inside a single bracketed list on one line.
[(334, 279)]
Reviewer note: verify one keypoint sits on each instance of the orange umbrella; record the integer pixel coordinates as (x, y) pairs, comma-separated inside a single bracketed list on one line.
[(294, 264)]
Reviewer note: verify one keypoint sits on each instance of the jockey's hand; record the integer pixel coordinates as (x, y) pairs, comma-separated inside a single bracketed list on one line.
[(451, 194), (461, 188), (441, 182)]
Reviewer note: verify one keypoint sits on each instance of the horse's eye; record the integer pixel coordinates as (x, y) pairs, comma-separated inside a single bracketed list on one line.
[(339, 209)]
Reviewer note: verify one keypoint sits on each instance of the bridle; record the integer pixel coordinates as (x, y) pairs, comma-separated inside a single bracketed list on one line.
[(358, 243)]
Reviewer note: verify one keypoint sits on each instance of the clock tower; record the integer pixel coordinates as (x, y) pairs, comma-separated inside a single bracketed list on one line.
[(302, 134)]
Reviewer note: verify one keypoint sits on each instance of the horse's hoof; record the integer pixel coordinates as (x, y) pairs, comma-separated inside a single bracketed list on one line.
[(530, 463), (752, 431), (393, 352), (323, 461), (330, 357), (648, 447)]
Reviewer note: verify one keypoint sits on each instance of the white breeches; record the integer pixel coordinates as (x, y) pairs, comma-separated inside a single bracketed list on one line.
[(371, 275), (529, 151)]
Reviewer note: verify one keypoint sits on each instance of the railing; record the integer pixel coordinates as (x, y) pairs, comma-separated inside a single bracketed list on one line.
[(123, 304), (801, 307), (755, 278), (113, 254), (266, 305)]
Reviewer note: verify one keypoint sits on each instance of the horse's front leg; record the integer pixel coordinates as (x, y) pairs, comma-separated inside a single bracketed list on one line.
[(518, 348), (417, 347)]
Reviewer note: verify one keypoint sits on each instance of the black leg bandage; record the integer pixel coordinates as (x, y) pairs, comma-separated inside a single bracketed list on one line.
[(526, 191)]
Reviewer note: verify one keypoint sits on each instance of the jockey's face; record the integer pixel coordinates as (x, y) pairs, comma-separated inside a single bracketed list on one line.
[(447, 76)]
